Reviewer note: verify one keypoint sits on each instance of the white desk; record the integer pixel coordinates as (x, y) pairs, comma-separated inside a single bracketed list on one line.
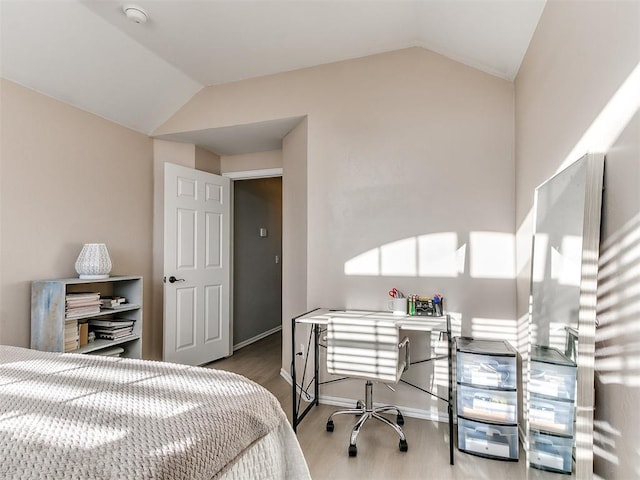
[(319, 318)]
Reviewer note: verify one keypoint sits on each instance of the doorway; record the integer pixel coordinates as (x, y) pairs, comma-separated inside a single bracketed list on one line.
[(257, 253)]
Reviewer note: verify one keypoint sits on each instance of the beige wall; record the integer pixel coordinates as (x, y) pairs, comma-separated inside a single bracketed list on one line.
[(207, 161), (251, 161), (399, 146), (581, 53), (68, 178)]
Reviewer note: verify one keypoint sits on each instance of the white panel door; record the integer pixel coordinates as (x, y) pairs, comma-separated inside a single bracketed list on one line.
[(196, 266)]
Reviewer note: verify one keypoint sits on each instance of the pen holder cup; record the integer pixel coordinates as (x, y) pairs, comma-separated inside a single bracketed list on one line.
[(398, 306)]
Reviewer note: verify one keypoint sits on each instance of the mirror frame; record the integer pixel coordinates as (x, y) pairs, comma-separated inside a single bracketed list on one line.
[(585, 354)]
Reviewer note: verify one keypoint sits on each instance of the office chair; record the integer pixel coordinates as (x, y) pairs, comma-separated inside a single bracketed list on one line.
[(367, 348)]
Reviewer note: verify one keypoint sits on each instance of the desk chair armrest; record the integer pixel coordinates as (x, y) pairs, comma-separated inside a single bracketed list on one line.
[(407, 360)]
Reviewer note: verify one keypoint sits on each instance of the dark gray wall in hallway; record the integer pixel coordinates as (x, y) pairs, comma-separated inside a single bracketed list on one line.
[(257, 281)]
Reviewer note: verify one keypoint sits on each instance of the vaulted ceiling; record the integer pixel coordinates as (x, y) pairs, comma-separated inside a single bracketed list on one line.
[(88, 54)]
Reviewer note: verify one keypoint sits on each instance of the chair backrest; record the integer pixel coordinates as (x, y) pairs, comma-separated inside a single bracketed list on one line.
[(364, 348)]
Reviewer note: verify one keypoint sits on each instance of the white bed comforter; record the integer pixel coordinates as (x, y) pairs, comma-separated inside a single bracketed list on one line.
[(92, 417)]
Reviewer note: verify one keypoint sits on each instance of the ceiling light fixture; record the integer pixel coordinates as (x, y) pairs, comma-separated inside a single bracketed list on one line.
[(135, 14)]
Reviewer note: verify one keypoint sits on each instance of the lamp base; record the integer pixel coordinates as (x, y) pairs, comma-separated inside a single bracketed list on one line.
[(93, 277)]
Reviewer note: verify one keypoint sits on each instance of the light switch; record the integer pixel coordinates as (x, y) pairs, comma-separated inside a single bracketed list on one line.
[(263, 232)]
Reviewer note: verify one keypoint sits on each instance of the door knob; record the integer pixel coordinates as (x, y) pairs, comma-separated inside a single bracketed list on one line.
[(173, 279)]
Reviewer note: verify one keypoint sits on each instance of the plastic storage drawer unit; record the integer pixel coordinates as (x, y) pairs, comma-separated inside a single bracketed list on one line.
[(551, 453), (477, 367), (487, 404), (554, 416), (489, 440), (552, 374), (487, 398)]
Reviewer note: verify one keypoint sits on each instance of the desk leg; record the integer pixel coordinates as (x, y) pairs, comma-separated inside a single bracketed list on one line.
[(294, 419), (450, 403), (295, 398), (316, 364)]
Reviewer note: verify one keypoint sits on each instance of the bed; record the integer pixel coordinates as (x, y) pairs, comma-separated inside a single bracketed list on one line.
[(93, 417)]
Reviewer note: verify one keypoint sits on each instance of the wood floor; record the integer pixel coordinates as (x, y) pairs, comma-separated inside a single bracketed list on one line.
[(378, 454)]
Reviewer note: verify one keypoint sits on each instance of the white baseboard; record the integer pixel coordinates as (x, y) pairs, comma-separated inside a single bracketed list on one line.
[(256, 338), (286, 375), (348, 403)]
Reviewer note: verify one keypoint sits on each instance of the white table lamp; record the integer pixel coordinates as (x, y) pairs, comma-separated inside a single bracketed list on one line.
[(93, 261)]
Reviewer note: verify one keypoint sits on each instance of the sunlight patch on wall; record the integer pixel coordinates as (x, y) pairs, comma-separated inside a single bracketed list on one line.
[(623, 249), (366, 264), (431, 255), (605, 441), (439, 255), (611, 121), (620, 260), (398, 259), (618, 348), (495, 328), (614, 298), (523, 250), (492, 255)]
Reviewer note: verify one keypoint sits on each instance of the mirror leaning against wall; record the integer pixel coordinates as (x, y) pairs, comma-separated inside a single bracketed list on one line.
[(562, 321)]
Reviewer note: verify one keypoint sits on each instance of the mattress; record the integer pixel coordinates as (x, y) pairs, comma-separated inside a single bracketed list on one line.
[(93, 417)]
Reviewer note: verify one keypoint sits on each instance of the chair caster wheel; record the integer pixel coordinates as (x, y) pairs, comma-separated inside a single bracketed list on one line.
[(353, 451), (400, 419), (330, 426), (403, 446), (359, 404)]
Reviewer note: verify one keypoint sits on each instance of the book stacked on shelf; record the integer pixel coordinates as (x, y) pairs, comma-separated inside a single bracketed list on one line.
[(111, 329), (71, 336), (112, 303), (83, 332), (79, 305), (109, 352)]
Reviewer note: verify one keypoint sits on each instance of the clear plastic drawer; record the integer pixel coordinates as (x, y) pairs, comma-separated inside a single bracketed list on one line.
[(552, 380), (484, 404), (488, 440), (486, 370), (551, 416), (551, 453)]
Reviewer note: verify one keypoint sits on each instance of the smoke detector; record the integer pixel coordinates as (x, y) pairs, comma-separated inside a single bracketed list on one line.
[(135, 14)]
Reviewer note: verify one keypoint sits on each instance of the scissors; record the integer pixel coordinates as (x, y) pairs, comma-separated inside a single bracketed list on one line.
[(395, 293)]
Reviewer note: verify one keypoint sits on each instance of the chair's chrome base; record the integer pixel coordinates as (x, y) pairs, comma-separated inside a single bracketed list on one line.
[(366, 411)]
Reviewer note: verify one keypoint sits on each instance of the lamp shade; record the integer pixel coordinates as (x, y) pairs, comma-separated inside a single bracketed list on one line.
[(93, 261)]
